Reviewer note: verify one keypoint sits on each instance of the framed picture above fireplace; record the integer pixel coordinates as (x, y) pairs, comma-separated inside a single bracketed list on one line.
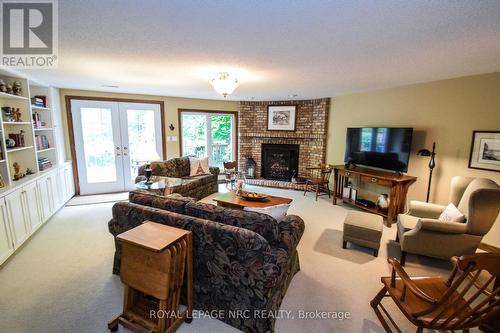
[(281, 117)]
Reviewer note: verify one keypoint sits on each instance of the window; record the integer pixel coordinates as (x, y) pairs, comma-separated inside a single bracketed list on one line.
[(211, 134)]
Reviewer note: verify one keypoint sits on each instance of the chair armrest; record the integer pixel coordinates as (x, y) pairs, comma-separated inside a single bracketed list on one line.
[(442, 226), (290, 229), (399, 270), (140, 178), (214, 171), (425, 209)]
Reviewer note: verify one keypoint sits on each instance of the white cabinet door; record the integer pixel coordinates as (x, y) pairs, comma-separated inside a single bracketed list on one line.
[(61, 185), (15, 212), (32, 206), (55, 190), (70, 185), (45, 200), (50, 192), (6, 244)]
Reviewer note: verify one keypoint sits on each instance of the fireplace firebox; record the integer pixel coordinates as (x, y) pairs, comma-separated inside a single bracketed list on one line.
[(279, 161)]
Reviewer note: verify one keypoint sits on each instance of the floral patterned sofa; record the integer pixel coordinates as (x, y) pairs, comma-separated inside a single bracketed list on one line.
[(196, 187), (242, 260)]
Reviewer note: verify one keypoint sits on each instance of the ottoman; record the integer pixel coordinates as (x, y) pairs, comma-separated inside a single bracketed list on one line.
[(364, 229)]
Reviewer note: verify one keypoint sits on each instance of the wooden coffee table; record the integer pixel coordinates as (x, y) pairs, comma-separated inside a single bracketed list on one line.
[(230, 200)]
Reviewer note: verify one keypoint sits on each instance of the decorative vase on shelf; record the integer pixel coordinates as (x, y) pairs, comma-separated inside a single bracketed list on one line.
[(383, 201)]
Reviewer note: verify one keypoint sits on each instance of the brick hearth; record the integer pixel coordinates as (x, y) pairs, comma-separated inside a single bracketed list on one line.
[(310, 133), (275, 183)]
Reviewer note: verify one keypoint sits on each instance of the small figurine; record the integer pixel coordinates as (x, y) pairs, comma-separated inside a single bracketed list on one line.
[(17, 89), (16, 114), (29, 171), (3, 86), (17, 171), (9, 89)]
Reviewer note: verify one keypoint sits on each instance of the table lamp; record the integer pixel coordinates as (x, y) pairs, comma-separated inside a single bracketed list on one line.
[(147, 156), (432, 165)]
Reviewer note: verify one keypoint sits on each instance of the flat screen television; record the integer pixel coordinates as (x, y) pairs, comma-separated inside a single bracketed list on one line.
[(379, 147)]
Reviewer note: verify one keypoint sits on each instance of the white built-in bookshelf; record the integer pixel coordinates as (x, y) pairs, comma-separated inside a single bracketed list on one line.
[(27, 155)]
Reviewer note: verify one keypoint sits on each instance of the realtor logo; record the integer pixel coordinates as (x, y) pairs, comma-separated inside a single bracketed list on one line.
[(29, 33)]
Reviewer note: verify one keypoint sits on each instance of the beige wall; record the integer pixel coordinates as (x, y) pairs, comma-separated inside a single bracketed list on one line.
[(443, 111), (172, 104)]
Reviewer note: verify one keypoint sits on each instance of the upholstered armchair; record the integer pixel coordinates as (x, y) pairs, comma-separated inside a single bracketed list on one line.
[(421, 232)]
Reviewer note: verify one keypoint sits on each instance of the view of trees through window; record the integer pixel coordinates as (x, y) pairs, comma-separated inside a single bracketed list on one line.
[(207, 134), (99, 147)]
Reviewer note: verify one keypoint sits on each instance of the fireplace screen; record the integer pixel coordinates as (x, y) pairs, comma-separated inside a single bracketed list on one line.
[(279, 162)]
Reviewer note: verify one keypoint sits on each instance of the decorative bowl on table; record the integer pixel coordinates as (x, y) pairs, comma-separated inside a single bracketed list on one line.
[(252, 196)]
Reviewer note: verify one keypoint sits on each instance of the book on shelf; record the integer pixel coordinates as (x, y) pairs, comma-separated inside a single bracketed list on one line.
[(18, 139), (40, 101), (44, 163), (41, 124), (42, 142)]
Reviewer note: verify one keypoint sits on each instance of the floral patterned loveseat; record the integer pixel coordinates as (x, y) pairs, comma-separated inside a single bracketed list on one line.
[(242, 260), (196, 187)]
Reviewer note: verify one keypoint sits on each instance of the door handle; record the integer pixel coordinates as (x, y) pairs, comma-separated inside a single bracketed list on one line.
[(118, 149), (125, 151)]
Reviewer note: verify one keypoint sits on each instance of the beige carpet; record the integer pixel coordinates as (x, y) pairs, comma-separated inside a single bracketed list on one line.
[(61, 280), (79, 200)]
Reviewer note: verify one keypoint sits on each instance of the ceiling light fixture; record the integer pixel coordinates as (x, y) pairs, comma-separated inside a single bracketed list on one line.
[(224, 84)]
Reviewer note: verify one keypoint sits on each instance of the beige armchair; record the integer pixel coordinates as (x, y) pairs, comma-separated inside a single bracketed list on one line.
[(420, 231)]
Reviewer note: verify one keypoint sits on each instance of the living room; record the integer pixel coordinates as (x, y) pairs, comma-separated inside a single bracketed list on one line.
[(299, 151)]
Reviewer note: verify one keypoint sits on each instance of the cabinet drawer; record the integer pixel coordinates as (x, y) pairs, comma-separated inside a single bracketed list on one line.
[(349, 174), (373, 180)]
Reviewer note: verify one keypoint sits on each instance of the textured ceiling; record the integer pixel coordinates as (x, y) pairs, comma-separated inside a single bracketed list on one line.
[(278, 48)]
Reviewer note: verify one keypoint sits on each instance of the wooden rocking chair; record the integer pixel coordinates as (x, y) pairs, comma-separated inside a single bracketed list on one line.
[(462, 301)]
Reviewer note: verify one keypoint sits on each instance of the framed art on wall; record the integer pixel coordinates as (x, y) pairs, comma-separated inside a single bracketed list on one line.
[(281, 118), (485, 150)]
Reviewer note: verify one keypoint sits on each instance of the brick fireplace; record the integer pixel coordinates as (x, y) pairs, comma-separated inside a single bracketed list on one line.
[(279, 161), (310, 133)]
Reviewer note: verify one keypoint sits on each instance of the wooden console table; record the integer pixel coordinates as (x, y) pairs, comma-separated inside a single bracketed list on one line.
[(398, 187)]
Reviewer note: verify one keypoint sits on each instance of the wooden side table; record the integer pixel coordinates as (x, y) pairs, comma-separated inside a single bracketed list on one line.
[(156, 259)]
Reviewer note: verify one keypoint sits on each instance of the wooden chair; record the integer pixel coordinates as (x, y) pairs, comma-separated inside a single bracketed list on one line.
[(462, 301), (230, 173), (319, 180)]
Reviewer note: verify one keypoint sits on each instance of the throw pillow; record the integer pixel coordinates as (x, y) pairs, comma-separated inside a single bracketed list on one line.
[(198, 166), (452, 214), (278, 211)]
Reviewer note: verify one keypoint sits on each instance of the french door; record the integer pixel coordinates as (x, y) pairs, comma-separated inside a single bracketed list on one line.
[(211, 134), (112, 139)]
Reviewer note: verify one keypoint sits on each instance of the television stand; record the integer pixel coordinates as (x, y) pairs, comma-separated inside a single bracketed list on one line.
[(398, 188)]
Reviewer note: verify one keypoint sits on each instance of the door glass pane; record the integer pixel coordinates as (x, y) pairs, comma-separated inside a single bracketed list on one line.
[(141, 138), (98, 145), (221, 129), (194, 135)]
